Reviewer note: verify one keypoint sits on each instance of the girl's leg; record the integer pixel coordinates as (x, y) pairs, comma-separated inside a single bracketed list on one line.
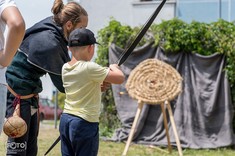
[(32, 147)]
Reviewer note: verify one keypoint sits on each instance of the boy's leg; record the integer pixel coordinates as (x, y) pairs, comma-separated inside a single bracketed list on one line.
[(84, 137), (66, 148)]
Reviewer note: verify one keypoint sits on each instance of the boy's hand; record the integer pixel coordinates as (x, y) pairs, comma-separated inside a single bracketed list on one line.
[(114, 66), (105, 86)]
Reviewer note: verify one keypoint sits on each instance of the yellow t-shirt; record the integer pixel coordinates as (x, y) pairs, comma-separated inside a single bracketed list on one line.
[(82, 87)]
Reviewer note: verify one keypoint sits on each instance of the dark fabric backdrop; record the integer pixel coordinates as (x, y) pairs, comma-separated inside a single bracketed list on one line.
[(203, 112)]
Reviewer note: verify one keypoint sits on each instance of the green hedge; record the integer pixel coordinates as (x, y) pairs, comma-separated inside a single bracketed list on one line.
[(173, 36)]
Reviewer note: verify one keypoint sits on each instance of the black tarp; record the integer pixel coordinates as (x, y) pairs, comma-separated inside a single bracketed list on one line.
[(203, 112)]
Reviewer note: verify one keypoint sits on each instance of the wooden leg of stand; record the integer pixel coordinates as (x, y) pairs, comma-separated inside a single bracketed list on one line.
[(174, 129), (140, 106), (166, 127)]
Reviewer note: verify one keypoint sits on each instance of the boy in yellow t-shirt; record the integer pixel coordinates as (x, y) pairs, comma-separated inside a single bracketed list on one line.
[(82, 81)]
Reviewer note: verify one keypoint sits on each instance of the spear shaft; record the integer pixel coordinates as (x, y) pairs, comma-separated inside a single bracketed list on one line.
[(140, 35)]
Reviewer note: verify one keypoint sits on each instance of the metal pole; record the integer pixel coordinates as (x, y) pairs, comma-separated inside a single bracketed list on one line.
[(229, 10), (220, 8), (177, 8)]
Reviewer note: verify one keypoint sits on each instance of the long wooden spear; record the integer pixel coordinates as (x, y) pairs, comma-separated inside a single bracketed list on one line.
[(140, 35)]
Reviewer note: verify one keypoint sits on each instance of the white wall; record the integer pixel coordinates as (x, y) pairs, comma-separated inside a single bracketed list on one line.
[(100, 12), (141, 11), (34, 11), (128, 12)]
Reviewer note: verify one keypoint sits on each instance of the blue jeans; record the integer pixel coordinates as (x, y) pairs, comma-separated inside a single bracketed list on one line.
[(3, 103), (78, 136)]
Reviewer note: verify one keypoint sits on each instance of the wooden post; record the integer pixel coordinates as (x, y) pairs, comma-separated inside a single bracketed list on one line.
[(133, 128), (174, 128), (166, 127)]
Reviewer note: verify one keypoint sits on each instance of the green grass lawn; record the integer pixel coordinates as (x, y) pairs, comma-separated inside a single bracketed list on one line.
[(48, 135)]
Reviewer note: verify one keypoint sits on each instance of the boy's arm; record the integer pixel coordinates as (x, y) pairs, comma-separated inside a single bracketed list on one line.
[(16, 30), (115, 75)]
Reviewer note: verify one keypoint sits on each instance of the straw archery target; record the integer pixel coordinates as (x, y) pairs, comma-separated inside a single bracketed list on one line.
[(154, 82)]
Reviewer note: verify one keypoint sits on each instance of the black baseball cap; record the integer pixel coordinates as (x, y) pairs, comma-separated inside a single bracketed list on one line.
[(81, 37)]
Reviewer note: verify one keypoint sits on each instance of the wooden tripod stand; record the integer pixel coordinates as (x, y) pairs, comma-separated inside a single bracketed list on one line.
[(133, 128), (154, 82)]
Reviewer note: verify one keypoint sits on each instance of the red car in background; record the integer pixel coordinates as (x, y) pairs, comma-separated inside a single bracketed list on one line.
[(47, 109)]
